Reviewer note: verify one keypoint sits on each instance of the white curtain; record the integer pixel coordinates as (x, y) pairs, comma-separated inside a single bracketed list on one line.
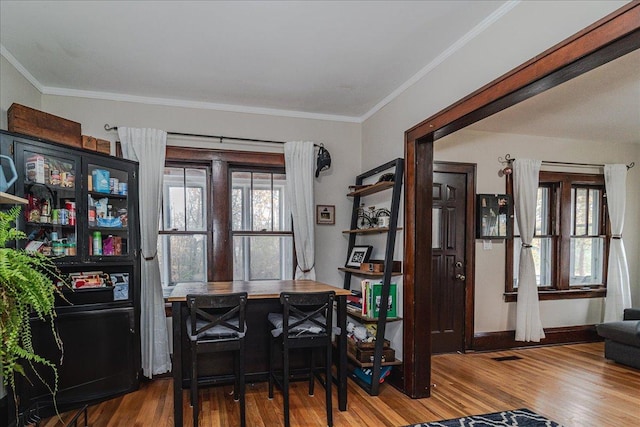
[(299, 163), (147, 146), (525, 191), (618, 288)]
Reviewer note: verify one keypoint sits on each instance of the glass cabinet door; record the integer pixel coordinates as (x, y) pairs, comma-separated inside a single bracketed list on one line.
[(108, 211), (51, 215)]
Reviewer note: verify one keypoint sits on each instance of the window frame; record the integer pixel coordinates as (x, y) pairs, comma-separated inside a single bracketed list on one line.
[(250, 232), (219, 246), (561, 184), (207, 230)]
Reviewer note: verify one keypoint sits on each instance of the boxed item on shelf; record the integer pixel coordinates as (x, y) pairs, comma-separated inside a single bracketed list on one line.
[(29, 121), (377, 266), (89, 279), (366, 374), (371, 300), (101, 180), (366, 356)]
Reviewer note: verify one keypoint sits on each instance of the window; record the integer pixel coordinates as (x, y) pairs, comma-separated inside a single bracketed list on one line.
[(261, 226), (182, 243), (224, 217), (570, 240)]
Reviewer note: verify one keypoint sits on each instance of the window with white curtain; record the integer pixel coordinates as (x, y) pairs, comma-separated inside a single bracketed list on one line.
[(571, 236), (182, 242)]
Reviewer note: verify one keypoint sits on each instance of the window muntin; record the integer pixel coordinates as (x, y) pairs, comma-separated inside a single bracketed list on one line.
[(570, 241), (261, 226)]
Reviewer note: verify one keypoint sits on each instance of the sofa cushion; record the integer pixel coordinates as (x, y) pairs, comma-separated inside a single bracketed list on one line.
[(626, 331)]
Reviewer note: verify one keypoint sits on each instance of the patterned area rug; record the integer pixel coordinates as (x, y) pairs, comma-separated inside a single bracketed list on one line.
[(518, 417)]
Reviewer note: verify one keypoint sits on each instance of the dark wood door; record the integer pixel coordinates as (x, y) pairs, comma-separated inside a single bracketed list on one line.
[(448, 262)]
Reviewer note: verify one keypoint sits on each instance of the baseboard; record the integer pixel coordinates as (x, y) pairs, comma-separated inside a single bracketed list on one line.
[(505, 340)]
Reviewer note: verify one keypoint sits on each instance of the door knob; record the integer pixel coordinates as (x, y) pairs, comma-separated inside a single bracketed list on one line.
[(459, 264), (461, 277)]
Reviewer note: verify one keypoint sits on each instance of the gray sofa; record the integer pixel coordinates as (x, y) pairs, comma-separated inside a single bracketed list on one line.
[(622, 339)]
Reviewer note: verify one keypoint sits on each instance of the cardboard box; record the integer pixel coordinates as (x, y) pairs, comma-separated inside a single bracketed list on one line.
[(37, 123)]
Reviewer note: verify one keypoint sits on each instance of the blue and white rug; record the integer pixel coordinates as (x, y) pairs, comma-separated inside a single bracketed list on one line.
[(515, 418)]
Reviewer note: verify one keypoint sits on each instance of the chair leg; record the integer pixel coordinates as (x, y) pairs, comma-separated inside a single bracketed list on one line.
[(242, 385), (270, 368), (285, 385), (194, 386), (236, 374), (328, 381), (312, 366)]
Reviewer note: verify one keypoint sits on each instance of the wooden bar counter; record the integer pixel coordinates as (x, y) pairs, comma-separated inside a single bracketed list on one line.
[(263, 298)]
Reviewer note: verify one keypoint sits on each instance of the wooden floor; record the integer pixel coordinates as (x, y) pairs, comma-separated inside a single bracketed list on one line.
[(572, 385)]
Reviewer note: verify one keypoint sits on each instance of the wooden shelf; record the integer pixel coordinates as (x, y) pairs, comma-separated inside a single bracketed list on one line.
[(358, 315), (368, 273), (10, 199), (372, 230), (371, 189)]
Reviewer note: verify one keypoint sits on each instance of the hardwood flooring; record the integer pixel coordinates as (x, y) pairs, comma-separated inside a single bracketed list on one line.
[(573, 385)]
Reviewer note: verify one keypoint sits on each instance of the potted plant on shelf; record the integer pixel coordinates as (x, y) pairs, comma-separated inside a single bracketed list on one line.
[(27, 289)]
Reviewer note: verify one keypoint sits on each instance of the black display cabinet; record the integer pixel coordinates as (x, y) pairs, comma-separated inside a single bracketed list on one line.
[(83, 211)]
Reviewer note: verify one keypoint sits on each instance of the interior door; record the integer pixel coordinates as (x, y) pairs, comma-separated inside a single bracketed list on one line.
[(449, 265)]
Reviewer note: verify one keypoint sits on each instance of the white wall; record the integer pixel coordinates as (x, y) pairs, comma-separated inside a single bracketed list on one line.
[(522, 33), (484, 148), (15, 88), (340, 138)]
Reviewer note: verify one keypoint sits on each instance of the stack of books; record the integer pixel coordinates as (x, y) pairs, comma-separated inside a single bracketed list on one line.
[(367, 301)]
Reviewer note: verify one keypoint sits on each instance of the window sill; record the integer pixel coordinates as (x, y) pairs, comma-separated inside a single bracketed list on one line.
[(563, 294)]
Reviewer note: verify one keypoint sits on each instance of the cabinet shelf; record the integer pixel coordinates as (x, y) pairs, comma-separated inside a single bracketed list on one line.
[(10, 199), (367, 273), (96, 194), (50, 225), (371, 189), (108, 229), (372, 230)]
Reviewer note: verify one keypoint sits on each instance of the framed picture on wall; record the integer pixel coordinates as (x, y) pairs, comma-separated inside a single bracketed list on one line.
[(494, 216), (325, 214), (358, 255)]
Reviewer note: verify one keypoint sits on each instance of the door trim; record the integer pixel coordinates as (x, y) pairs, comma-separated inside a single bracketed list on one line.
[(469, 170)]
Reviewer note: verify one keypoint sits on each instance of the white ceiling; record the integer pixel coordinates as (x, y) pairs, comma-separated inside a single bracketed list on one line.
[(602, 105), (338, 59)]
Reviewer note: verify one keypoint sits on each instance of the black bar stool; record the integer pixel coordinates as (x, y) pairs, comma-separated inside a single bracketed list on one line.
[(306, 322), (216, 324)]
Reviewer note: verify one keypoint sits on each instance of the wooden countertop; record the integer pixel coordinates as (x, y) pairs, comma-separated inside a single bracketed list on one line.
[(256, 289)]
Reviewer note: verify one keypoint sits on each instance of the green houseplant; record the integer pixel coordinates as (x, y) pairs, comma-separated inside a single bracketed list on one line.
[(27, 289)]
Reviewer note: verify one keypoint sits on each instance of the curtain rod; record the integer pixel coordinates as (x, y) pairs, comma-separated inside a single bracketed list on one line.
[(219, 137), (508, 159)]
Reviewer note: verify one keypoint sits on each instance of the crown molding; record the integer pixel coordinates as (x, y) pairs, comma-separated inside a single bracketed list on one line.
[(108, 96), (459, 44), (18, 66)]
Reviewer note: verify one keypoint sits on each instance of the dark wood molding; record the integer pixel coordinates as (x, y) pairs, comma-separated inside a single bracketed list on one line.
[(605, 40), (505, 340), (219, 164), (588, 43), (232, 157)]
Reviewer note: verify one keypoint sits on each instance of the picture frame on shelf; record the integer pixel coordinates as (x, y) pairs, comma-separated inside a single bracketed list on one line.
[(325, 214), (358, 255)]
